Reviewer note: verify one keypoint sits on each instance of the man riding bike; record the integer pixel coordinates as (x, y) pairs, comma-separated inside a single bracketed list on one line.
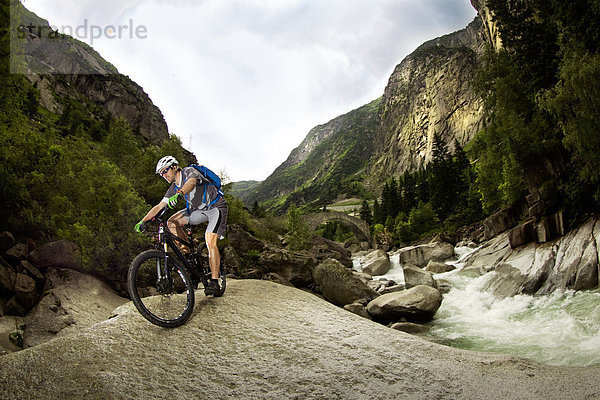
[(204, 203)]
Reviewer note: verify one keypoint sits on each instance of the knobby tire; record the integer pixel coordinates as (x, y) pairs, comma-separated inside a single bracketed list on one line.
[(168, 306)]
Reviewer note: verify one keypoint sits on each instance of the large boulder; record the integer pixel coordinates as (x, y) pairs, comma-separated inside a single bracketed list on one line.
[(437, 267), (522, 234), (242, 241), (488, 256), (32, 271), (358, 308), (418, 304), (274, 277), (569, 262), (16, 253), (507, 281), (7, 240), (376, 263), (295, 266), (76, 301), (7, 279), (339, 285), (25, 291), (415, 276), (576, 263), (420, 255), (355, 246), (62, 254), (410, 327), (232, 261), (497, 223), (323, 249), (252, 258)]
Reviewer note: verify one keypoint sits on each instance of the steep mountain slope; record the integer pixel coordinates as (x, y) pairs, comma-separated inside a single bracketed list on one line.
[(327, 163), (263, 340), (78, 144), (429, 92), (62, 68), (243, 189)]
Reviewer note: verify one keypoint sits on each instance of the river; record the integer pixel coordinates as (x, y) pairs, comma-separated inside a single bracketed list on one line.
[(558, 329)]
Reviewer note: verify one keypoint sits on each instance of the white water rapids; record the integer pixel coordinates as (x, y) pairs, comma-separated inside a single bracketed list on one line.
[(558, 329)]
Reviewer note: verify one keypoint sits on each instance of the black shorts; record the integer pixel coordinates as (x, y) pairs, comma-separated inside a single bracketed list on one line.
[(216, 218)]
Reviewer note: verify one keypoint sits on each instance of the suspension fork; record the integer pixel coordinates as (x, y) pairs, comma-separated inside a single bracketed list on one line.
[(163, 272)]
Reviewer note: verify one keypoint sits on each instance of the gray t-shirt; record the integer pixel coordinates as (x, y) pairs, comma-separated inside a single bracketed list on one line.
[(204, 196)]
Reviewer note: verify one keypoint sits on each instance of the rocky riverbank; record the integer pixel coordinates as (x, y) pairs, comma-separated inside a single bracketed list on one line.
[(29, 276), (568, 262), (268, 341)]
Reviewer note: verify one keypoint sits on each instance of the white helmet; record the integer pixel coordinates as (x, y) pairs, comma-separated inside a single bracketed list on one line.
[(165, 162)]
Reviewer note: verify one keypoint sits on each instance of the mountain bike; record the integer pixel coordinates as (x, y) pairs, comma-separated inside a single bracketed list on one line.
[(161, 281)]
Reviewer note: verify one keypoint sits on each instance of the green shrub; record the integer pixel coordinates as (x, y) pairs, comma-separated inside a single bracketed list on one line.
[(102, 209), (299, 233), (268, 228)]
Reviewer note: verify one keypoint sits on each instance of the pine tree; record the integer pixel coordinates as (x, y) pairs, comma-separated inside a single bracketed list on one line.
[(386, 202), (442, 178), (365, 213), (408, 193), (461, 167), (31, 103), (258, 211), (395, 198), (422, 186), (377, 215)]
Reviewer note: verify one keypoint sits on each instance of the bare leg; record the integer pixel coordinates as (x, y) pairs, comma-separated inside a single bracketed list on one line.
[(214, 257), (175, 225)]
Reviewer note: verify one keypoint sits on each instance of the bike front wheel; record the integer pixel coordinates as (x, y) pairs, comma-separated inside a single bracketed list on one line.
[(166, 300)]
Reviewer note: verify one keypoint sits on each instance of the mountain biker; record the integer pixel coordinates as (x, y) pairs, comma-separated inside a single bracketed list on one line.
[(204, 203)]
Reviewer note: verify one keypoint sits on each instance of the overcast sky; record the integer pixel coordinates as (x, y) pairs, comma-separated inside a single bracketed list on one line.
[(241, 82)]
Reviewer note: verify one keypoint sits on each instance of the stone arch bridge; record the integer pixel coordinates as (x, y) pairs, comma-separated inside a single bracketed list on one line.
[(359, 227)]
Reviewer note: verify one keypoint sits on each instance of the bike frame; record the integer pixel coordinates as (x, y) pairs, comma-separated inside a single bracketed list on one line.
[(167, 239)]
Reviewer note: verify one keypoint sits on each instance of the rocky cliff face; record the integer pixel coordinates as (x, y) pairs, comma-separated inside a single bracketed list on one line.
[(490, 30), (61, 66), (429, 92)]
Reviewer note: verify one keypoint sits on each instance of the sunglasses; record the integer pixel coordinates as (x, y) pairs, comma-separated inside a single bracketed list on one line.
[(164, 171)]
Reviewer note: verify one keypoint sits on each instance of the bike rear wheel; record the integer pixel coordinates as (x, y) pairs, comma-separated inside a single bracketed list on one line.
[(164, 301)]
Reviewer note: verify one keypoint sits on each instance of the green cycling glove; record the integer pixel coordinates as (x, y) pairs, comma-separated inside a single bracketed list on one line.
[(140, 226), (173, 200)]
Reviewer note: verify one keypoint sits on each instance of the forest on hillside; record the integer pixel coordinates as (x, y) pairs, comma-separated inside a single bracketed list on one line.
[(80, 174), (86, 176), (77, 173), (541, 95)]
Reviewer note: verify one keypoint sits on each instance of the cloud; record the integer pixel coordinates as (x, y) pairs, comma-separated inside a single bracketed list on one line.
[(241, 82), (74, 12)]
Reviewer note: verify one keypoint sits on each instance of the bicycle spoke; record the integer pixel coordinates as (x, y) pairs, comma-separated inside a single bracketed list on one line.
[(163, 301)]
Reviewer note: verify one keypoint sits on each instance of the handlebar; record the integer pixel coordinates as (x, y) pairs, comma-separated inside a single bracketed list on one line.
[(161, 213), (160, 216)]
